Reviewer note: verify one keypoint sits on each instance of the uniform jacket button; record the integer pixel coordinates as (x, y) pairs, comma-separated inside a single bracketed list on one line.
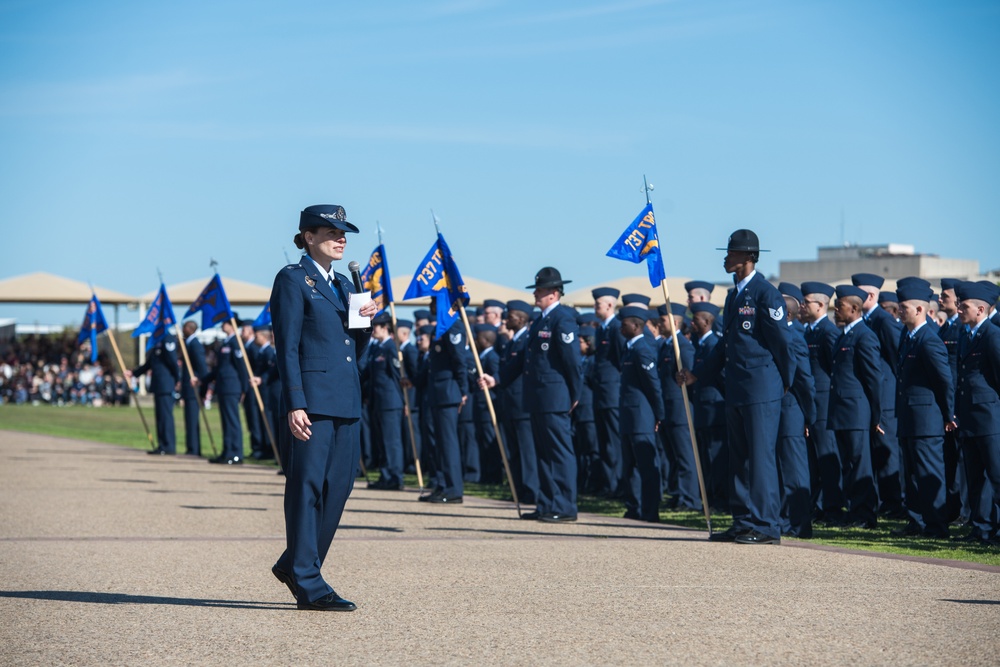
[(348, 358)]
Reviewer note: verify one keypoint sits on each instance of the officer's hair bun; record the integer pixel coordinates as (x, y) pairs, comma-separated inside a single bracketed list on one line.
[(299, 242)]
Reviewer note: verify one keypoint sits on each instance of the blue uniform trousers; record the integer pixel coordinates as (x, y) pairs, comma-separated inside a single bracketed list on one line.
[(796, 499), (449, 452), (468, 445), (826, 480), (859, 480), (609, 472), (232, 430), (192, 428), (520, 442), (164, 409), (982, 472), (428, 448), (386, 431), (587, 455), (255, 423), (319, 476), (556, 463), (887, 464), (957, 490), (668, 466), (923, 462), (641, 467), (754, 496), (678, 439), (715, 465), (491, 467)]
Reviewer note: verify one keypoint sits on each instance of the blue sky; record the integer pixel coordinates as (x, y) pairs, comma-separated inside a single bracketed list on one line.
[(155, 134)]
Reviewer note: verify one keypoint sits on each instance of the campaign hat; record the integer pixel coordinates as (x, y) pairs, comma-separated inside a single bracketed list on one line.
[(547, 278), (743, 240)]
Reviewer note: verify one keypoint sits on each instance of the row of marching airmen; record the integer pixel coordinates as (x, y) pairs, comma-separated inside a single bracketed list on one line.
[(889, 408)]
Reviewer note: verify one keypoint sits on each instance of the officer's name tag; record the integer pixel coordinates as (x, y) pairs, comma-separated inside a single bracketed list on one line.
[(355, 319)]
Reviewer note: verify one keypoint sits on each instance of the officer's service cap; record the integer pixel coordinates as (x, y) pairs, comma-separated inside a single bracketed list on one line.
[(678, 309), (493, 303), (520, 306), (628, 299), (404, 324), (949, 283), (887, 297), (705, 307), (815, 287), (699, 284), (851, 290), (422, 314), (478, 311), (480, 328), (934, 297), (325, 215), (792, 290), (382, 318), (427, 330), (634, 311), (587, 320), (867, 280), (264, 327), (598, 292), (743, 240)]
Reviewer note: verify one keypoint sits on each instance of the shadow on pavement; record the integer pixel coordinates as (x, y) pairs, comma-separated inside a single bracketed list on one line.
[(123, 598), (538, 533), (971, 601)]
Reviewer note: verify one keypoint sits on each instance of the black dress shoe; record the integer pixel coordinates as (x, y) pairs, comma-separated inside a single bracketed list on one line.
[(756, 537), (286, 579), (159, 452), (235, 461), (443, 499), (867, 524), (971, 538), (531, 516), (556, 517), (728, 535), (909, 530), (629, 514), (329, 602), (426, 498)]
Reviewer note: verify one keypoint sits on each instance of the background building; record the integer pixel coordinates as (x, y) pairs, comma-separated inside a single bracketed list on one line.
[(892, 261)]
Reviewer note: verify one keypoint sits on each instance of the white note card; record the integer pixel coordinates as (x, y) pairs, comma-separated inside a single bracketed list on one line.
[(356, 320)]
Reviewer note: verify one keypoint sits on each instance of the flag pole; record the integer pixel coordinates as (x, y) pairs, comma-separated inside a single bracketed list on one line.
[(684, 390), (201, 406), (486, 392), (256, 391), (402, 376), (121, 365)]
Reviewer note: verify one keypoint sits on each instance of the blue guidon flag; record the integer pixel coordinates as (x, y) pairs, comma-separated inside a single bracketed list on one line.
[(213, 304), (638, 243), (438, 276), (264, 319), (159, 318), (375, 278), (93, 324)]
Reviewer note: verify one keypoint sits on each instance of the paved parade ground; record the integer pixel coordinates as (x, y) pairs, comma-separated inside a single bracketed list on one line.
[(113, 557)]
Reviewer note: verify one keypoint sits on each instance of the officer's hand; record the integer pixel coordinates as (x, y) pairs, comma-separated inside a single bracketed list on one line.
[(573, 407), (195, 382), (369, 309), (951, 426), (462, 404), (878, 428), (487, 382), (255, 380), (685, 377), (298, 422), (405, 382), (807, 431), (656, 427), (128, 374)]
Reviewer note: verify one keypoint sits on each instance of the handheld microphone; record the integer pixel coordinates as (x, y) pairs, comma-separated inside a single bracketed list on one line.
[(355, 270)]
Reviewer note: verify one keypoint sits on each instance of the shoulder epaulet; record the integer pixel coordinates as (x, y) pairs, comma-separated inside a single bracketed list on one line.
[(294, 266)]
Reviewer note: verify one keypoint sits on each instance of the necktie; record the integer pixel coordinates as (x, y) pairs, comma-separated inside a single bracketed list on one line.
[(336, 292)]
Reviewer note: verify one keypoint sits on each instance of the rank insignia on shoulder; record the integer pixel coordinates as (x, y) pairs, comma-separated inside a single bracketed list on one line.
[(567, 337), (170, 346), (649, 367), (455, 338), (239, 355), (310, 281), (395, 362), (777, 313)]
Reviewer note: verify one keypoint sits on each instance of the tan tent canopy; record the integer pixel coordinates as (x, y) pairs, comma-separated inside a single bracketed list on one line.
[(479, 290), (582, 298), (240, 293), (52, 289)]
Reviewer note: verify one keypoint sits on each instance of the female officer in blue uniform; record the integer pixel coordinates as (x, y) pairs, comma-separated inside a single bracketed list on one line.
[(321, 390)]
